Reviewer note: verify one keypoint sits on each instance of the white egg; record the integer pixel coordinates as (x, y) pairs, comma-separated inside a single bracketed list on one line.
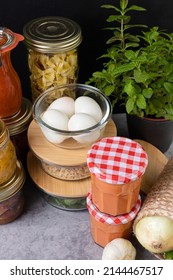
[(88, 138), (85, 104), (53, 136), (64, 104), (55, 119), (83, 121)]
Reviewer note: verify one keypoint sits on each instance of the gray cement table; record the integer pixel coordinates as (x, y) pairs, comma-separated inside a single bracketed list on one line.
[(45, 232)]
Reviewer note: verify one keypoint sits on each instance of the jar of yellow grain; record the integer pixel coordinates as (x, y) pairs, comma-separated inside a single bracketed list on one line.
[(8, 158), (52, 44)]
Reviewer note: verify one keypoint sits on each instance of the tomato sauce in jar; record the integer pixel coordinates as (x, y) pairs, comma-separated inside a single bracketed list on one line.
[(105, 228), (10, 85), (117, 165)]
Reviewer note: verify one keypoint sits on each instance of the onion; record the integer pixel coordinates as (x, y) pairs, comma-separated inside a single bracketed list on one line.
[(155, 233)]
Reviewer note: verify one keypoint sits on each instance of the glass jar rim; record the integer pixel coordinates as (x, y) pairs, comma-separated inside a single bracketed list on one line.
[(19, 122), (8, 39), (4, 134)]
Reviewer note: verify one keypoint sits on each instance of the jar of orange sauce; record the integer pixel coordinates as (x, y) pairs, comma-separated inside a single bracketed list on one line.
[(117, 165), (10, 85), (105, 228)]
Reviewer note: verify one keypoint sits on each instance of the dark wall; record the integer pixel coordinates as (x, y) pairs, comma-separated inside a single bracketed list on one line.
[(90, 16)]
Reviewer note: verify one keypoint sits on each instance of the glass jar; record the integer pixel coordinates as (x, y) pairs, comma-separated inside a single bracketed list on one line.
[(66, 203), (105, 228), (52, 44), (8, 156), (10, 85), (17, 126), (117, 165), (12, 196)]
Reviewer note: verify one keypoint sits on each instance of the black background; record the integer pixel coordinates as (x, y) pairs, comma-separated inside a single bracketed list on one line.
[(89, 15)]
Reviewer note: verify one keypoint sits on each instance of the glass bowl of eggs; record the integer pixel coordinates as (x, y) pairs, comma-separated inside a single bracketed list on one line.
[(72, 116)]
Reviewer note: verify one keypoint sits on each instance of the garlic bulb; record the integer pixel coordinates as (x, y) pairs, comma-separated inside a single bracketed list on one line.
[(155, 233), (119, 249)]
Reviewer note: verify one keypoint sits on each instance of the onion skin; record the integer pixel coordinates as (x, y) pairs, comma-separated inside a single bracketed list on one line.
[(155, 233)]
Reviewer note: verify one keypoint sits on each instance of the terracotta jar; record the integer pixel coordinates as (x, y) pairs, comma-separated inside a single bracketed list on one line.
[(105, 228), (10, 85), (116, 165)]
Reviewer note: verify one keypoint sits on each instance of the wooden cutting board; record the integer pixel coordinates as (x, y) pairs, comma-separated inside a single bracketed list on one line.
[(156, 162)]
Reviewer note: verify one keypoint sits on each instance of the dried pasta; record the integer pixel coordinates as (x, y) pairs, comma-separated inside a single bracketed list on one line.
[(51, 70)]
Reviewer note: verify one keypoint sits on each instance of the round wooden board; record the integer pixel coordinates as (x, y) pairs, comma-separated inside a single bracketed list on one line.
[(54, 186), (156, 162), (53, 154)]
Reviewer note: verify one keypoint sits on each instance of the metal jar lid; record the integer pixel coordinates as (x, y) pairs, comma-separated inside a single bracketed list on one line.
[(52, 34), (12, 186), (20, 121)]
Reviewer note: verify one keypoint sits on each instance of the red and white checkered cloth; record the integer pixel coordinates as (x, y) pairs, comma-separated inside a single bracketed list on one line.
[(109, 219), (117, 160)]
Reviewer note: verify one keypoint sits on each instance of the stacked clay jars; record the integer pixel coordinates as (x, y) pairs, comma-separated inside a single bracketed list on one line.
[(116, 165)]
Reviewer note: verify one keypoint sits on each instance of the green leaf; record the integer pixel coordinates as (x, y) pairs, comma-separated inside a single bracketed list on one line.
[(131, 37), (134, 26), (135, 8), (147, 92), (124, 4), (141, 77), (113, 39), (118, 18), (168, 87), (141, 102), (133, 45), (123, 68), (99, 75), (109, 89), (169, 109), (107, 6), (130, 105), (168, 255), (130, 54), (130, 89)]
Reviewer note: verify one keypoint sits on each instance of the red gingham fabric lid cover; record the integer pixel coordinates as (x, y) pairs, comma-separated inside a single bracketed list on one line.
[(109, 219), (117, 160)]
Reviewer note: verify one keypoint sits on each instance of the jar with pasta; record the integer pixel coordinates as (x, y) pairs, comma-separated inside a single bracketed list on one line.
[(52, 44)]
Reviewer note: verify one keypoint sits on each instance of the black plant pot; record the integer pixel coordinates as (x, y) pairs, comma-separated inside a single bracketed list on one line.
[(158, 132)]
